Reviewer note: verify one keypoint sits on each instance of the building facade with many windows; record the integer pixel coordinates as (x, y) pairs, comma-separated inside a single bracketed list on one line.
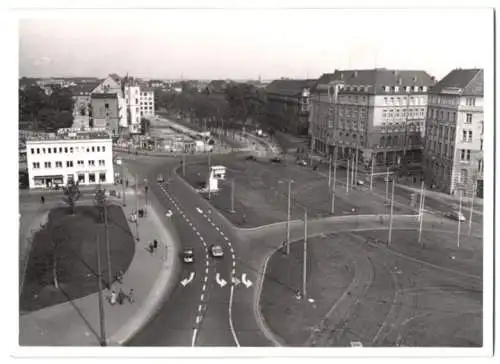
[(374, 114), (453, 154), (81, 156), (147, 100)]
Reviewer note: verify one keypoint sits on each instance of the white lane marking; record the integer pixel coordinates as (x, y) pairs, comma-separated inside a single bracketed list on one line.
[(217, 228), (234, 263), (227, 239), (206, 256), (198, 319), (200, 306), (202, 296), (233, 271), (233, 256), (206, 269), (198, 233), (231, 317), (222, 233), (193, 340), (190, 224), (194, 228), (203, 288), (205, 279), (199, 210)]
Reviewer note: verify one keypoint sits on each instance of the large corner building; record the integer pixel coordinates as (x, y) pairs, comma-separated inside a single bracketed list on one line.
[(453, 157), (366, 115)]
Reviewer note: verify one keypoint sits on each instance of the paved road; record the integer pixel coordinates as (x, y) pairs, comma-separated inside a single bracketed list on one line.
[(203, 313)]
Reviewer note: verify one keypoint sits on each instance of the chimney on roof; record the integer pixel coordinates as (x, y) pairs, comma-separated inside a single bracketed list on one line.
[(400, 81), (355, 74)]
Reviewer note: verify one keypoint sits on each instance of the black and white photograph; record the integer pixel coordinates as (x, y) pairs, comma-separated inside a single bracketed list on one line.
[(226, 181)]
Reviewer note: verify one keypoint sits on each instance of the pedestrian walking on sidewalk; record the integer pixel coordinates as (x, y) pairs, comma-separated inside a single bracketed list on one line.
[(121, 296), (112, 298), (155, 244), (130, 296), (42, 200)]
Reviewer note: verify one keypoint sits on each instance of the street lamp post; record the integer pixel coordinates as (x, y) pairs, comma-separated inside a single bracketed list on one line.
[(304, 265), (102, 338), (232, 195), (288, 217), (459, 220), (136, 211), (389, 240)]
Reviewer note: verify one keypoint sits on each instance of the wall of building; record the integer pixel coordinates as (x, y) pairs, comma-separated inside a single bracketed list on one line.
[(77, 157), (132, 99), (106, 114), (147, 101)]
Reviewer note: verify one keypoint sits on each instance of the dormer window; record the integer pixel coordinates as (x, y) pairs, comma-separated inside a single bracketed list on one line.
[(408, 88), (424, 88), (396, 88), (386, 88), (415, 88)]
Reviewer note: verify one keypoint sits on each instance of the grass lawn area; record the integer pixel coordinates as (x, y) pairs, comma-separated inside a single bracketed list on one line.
[(76, 255), (330, 271)]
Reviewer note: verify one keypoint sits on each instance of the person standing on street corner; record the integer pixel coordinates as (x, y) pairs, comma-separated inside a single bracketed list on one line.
[(42, 200)]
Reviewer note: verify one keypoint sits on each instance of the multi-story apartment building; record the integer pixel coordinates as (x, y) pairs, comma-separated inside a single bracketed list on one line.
[(106, 112), (375, 114), (82, 104), (83, 156), (288, 104), (147, 99), (133, 102), (112, 85), (453, 154)]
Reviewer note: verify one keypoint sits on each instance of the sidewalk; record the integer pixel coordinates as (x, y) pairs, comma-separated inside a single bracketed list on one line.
[(152, 276)]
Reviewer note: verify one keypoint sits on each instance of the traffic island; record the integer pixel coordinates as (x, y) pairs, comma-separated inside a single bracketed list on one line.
[(62, 263), (254, 204), (361, 292)]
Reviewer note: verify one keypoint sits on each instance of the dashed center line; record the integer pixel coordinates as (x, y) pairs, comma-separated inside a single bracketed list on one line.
[(203, 288)]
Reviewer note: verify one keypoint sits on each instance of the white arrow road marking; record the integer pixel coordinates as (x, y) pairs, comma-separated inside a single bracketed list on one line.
[(220, 281), (247, 282), (186, 281), (236, 281), (199, 210), (193, 340)]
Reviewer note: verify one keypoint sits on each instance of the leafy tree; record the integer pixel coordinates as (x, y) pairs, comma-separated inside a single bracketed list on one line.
[(72, 194), (245, 101), (100, 202), (145, 126)]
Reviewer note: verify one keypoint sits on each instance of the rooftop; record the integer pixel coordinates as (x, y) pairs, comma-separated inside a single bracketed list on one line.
[(376, 79), (71, 134), (104, 95), (289, 87), (468, 82)]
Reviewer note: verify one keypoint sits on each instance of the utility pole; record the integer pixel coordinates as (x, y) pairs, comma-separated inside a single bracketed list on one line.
[(459, 218), (209, 176), (136, 211), (184, 163), (347, 184), (304, 265), (330, 172), (387, 185), (288, 217), (392, 209), (353, 182), (123, 187), (421, 214), (333, 189), (356, 167), (371, 175), (232, 195), (146, 188), (472, 207), (106, 234), (102, 339)]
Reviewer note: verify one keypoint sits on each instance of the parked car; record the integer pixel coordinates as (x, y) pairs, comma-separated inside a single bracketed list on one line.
[(188, 255), (455, 215), (276, 160), (302, 162), (160, 178), (251, 158), (216, 251), (360, 182)]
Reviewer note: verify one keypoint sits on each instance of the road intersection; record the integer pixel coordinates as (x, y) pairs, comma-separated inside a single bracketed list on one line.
[(216, 302)]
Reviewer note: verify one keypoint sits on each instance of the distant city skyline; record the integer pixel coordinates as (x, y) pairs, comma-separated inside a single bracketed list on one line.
[(246, 44)]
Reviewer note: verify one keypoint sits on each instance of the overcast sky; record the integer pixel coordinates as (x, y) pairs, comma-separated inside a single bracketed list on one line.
[(212, 44)]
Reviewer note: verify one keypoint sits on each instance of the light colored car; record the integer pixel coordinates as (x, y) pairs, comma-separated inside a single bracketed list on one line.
[(302, 163), (455, 215), (160, 178), (360, 182), (188, 256), (216, 251)]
